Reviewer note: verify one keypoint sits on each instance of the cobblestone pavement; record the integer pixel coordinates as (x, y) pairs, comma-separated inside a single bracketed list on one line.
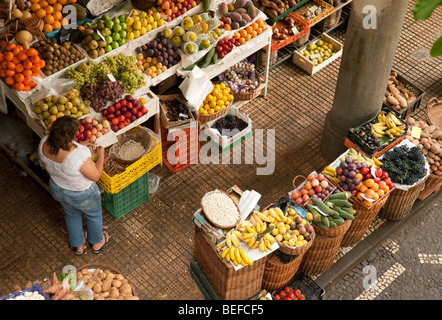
[(407, 266)]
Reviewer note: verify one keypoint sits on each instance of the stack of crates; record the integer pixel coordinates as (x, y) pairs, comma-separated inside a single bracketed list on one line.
[(129, 198), (187, 144)]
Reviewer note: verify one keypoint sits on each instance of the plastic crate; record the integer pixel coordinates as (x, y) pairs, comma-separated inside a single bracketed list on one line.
[(129, 198), (272, 21), (309, 288), (191, 146), (35, 287), (278, 44), (119, 181), (329, 10)]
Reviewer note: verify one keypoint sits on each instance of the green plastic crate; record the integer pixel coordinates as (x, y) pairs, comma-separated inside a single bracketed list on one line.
[(129, 198)]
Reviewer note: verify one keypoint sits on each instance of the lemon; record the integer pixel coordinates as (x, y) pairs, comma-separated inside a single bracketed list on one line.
[(299, 243), (206, 107), (217, 108), (222, 85), (309, 216), (211, 111), (278, 237), (213, 104)]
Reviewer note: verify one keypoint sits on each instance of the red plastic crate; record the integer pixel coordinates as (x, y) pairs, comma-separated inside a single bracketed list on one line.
[(187, 139)]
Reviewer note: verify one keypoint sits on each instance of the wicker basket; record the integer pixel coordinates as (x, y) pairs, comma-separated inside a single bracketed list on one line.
[(433, 180), (248, 95), (7, 36), (104, 266), (434, 112), (399, 202), (143, 5), (203, 118), (228, 283), (364, 216), (333, 18), (35, 26), (334, 231), (261, 58), (217, 225), (301, 40), (290, 250), (278, 273)]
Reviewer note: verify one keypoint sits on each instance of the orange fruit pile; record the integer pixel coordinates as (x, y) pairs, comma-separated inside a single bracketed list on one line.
[(251, 31), (51, 12), (371, 190), (18, 64)]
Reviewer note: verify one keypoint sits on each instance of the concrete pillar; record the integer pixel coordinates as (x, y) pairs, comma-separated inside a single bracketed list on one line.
[(370, 45)]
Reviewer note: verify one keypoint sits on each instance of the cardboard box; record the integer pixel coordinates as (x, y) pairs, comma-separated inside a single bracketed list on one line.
[(308, 66), (223, 142), (163, 109)]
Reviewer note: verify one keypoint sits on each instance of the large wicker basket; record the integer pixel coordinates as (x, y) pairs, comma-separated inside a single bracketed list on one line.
[(203, 118), (143, 5), (277, 273), (399, 202), (228, 283), (333, 18), (434, 112), (245, 96), (323, 252), (364, 216)]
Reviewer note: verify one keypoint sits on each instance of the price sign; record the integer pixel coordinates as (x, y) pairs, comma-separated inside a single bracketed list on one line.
[(295, 30), (315, 56), (416, 132)]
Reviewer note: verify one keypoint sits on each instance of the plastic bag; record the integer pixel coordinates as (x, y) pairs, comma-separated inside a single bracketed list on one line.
[(196, 87), (154, 181), (82, 292)]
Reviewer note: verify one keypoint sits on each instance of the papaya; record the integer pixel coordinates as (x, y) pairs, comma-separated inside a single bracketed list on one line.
[(208, 57), (339, 203), (321, 205), (338, 221), (343, 195), (344, 214), (223, 9), (252, 11)]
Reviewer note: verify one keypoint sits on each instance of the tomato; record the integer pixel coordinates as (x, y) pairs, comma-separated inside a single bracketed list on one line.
[(301, 297), (291, 296), (288, 289), (364, 171), (277, 297), (297, 292), (283, 294)]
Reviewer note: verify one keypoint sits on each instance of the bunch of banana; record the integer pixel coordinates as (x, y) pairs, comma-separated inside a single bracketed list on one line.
[(331, 173), (237, 256), (395, 126), (353, 155), (257, 235), (378, 129)]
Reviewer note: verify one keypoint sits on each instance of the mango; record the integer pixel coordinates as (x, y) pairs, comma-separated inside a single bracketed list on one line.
[(223, 9), (240, 3), (241, 10), (252, 11), (231, 7), (235, 16), (235, 25), (243, 23), (246, 17)]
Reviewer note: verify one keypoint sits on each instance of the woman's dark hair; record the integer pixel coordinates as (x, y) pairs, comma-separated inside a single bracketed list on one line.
[(61, 133)]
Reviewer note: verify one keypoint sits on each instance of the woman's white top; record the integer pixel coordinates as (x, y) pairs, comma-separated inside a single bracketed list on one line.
[(67, 174)]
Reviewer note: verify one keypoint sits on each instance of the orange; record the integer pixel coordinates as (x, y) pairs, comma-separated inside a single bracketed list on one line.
[(35, 7), (10, 72), (19, 77), (380, 193), (363, 188), (51, 2), (386, 189), (4, 65), (308, 185), (249, 29), (72, 1), (41, 13), (26, 88), (2, 57), (304, 192), (36, 68), (19, 68), (34, 1), (57, 7), (227, 27), (62, 2), (254, 25), (9, 56), (56, 25), (10, 46), (42, 63), (27, 73), (359, 196), (22, 56), (259, 30), (43, 3), (236, 35), (11, 65), (17, 50), (49, 19), (382, 184), (359, 176), (9, 81), (57, 15), (369, 183), (254, 34), (375, 187), (242, 40), (19, 86), (32, 52), (248, 37), (15, 60), (369, 193), (49, 9), (368, 203), (2, 73), (28, 82), (48, 28), (243, 33), (27, 64), (376, 196)]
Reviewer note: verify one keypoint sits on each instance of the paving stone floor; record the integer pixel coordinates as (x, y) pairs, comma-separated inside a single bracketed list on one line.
[(153, 244)]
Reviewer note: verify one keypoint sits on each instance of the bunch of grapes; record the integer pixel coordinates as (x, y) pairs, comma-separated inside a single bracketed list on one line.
[(97, 95)]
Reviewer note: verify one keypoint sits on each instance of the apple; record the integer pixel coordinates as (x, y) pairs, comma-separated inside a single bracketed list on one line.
[(121, 118), (121, 125), (127, 122), (127, 114), (114, 128), (139, 114), (111, 109), (143, 110)]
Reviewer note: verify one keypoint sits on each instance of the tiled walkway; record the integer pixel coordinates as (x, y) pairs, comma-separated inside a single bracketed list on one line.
[(153, 244)]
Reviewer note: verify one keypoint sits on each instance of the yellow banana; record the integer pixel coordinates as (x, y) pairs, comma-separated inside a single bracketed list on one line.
[(389, 121), (270, 238), (228, 239), (253, 220), (395, 119), (232, 253), (263, 217), (272, 213), (257, 218), (250, 229), (245, 257), (261, 245), (225, 253), (222, 245), (268, 244), (251, 243), (381, 116), (279, 212), (237, 255), (255, 245), (234, 239)]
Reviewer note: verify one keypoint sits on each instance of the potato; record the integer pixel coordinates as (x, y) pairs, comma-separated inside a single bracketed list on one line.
[(116, 283), (84, 271), (97, 288), (126, 288), (96, 272), (133, 298), (102, 276), (427, 146), (425, 151), (435, 148), (114, 292), (90, 284), (103, 295), (430, 160), (431, 154), (106, 285), (438, 172), (119, 277), (436, 134)]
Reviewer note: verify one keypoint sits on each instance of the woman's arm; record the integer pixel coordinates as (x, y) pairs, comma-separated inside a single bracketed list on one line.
[(92, 170)]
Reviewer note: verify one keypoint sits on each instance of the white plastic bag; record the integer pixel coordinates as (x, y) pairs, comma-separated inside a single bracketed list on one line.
[(196, 87), (154, 181)]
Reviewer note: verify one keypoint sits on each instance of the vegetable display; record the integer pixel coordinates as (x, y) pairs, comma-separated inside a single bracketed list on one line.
[(289, 293), (274, 8), (404, 165), (397, 95)]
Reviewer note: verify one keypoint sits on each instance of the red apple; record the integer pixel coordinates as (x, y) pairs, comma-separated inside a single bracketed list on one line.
[(121, 125), (114, 128), (111, 109), (139, 114), (121, 118), (143, 110), (127, 114)]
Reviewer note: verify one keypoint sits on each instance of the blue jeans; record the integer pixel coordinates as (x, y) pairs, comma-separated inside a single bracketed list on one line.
[(76, 202)]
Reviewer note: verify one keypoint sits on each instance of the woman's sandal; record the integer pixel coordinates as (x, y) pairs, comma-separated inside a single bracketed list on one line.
[(106, 240), (77, 252)]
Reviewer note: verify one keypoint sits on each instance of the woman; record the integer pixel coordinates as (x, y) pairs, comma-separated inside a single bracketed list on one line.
[(73, 177)]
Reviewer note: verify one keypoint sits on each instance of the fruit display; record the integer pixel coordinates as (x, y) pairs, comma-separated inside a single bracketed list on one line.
[(51, 13), (275, 8), (237, 14), (141, 22), (404, 159), (289, 293), (316, 186), (123, 112), (123, 68), (397, 96), (56, 56), (250, 32), (333, 212), (233, 252), (241, 77), (219, 98), (175, 8), (211, 57), (429, 141), (156, 56), (91, 129), (53, 107), (104, 36), (290, 229), (319, 51), (97, 95), (17, 65)]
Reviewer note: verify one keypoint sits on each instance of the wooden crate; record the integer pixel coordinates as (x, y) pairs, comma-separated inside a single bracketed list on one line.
[(226, 282), (308, 66)]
